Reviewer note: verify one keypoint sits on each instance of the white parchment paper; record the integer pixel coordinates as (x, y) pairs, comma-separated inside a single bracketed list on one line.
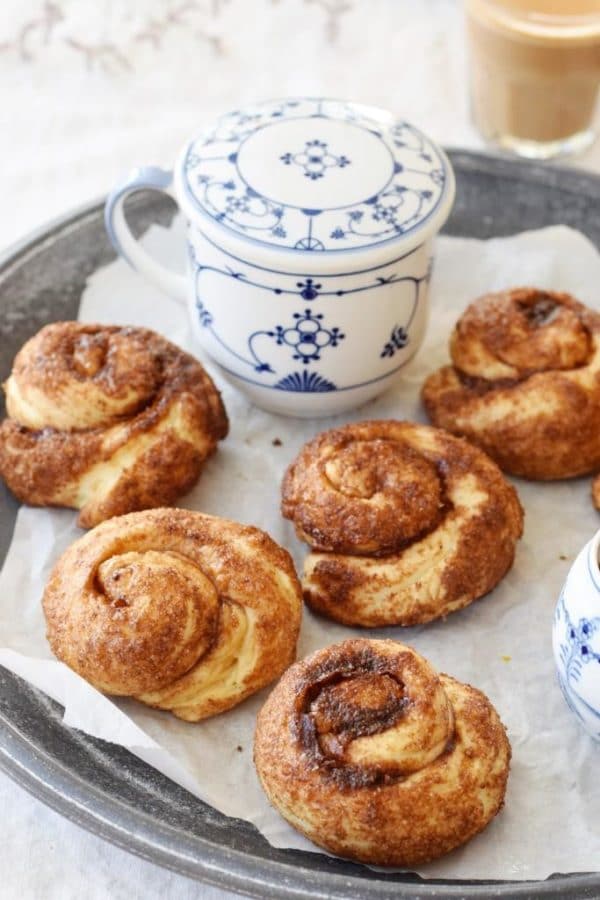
[(501, 643)]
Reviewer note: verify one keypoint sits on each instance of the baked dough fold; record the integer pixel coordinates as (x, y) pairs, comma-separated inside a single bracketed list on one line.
[(184, 611), (368, 752), (525, 383), (107, 420), (406, 522)]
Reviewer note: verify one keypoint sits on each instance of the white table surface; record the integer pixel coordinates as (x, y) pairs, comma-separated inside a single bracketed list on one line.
[(91, 88)]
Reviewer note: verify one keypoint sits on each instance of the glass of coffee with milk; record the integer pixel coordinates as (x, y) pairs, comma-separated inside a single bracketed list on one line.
[(535, 73)]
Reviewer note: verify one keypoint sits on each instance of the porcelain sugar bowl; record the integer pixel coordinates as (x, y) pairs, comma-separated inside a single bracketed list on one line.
[(576, 637), (310, 235)]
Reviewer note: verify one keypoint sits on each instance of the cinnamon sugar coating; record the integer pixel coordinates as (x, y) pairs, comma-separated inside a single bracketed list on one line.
[(406, 522), (525, 383), (107, 420), (368, 752), (183, 611)]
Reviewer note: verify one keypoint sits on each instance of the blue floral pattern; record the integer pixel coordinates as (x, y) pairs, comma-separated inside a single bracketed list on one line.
[(578, 650), (305, 382), (307, 331), (307, 336), (398, 341), (315, 159), (409, 185), (579, 647), (204, 316)]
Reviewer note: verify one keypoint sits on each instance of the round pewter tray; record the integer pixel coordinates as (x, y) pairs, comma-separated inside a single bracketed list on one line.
[(104, 788)]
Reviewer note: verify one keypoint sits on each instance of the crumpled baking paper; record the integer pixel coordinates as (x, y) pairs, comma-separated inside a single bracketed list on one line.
[(501, 643)]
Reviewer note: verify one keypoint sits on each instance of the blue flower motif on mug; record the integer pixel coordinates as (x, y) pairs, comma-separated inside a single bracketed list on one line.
[(398, 341), (307, 336), (577, 661), (236, 204), (305, 382), (334, 215), (204, 316), (308, 289), (582, 640), (315, 159)]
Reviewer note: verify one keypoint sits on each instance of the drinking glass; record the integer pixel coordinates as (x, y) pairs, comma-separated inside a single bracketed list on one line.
[(534, 73)]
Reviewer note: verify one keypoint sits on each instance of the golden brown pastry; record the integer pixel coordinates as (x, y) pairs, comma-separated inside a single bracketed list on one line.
[(596, 492), (368, 752), (525, 383), (183, 611), (106, 420), (406, 522)]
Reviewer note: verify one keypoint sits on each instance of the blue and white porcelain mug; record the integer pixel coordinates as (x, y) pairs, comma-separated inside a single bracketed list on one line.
[(310, 232), (576, 637)]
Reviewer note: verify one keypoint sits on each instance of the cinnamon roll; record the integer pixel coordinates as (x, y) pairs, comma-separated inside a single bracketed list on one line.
[(364, 749), (183, 611), (406, 522), (106, 420), (525, 383)]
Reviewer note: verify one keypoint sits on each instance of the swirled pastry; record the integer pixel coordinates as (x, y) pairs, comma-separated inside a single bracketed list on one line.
[(368, 752), (106, 420), (406, 522), (183, 611), (525, 383)]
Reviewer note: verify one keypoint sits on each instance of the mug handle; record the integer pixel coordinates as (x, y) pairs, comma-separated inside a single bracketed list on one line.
[(145, 178)]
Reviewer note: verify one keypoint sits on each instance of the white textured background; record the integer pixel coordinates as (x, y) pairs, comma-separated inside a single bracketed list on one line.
[(90, 88)]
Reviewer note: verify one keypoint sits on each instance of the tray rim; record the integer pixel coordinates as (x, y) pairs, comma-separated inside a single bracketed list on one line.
[(51, 781)]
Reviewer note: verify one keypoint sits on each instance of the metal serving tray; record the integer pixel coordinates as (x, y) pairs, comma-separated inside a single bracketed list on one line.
[(104, 788)]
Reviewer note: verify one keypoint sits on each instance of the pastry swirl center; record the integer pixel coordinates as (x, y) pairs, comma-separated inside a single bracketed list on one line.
[(363, 469), (515, 334), (156, 614), (355, 707), (89, 354), (364, 719), (74, 379), (379, 495)]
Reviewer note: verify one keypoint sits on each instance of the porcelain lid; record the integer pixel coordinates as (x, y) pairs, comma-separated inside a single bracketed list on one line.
[(317, 175)]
